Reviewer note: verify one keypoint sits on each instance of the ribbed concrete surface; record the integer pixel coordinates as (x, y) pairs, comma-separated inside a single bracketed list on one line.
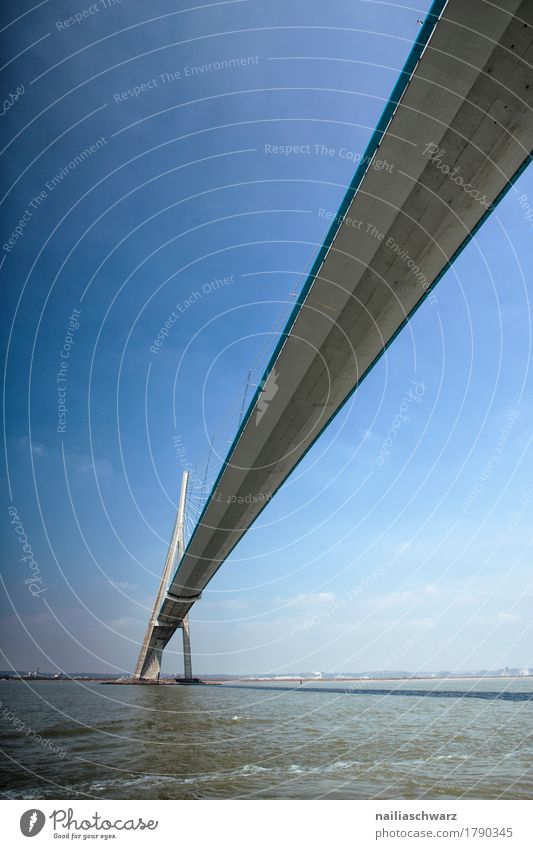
[(469, 105)]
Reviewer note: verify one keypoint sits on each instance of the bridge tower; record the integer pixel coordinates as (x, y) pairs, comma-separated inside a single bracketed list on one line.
[(148, 667)]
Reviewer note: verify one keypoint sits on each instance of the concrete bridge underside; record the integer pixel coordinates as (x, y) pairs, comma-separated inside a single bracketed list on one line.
[(461, 132)]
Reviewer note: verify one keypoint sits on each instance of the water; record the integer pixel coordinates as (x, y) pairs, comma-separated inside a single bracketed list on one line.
[(226, 742)]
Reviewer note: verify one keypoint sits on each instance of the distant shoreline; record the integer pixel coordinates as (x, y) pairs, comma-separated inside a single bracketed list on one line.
[(265, 680), (367, 680)]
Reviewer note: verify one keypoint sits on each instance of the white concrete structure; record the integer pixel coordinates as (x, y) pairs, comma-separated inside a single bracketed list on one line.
[(456, 132), (149, 661)]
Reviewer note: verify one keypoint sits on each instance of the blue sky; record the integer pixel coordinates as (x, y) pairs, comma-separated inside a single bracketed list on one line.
[(422, 562)]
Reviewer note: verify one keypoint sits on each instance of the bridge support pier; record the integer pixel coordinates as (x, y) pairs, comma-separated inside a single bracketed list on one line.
[(187, 663), (148, 667)]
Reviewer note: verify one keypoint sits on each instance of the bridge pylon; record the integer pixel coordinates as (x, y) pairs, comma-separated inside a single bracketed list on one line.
[(148, 667)]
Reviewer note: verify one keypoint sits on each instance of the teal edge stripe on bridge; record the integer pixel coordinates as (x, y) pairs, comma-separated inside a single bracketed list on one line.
[(402, 82)]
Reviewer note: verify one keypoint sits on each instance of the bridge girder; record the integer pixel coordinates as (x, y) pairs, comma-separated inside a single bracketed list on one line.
[(463, 102)]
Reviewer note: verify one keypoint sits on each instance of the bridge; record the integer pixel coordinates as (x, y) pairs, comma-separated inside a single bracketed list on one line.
[(456, 133)]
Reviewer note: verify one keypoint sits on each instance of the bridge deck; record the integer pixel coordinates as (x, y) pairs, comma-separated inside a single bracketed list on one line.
[(468, 106)]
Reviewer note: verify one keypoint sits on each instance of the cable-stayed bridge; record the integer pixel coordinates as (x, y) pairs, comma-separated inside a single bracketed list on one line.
[(456, 133)]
